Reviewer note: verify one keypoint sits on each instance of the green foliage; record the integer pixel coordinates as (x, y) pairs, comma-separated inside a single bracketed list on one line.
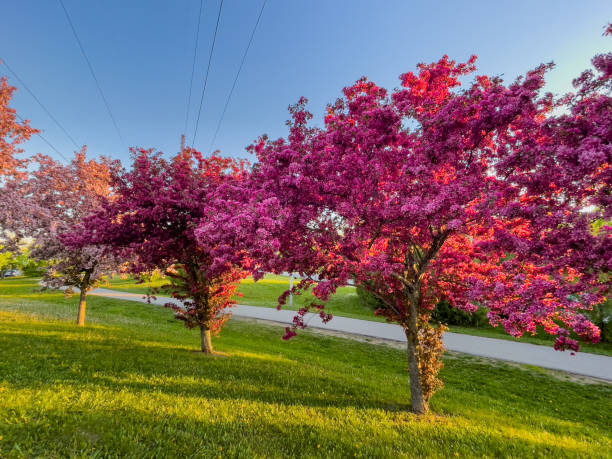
[(367, 298), (129, 385), (443, 313), (30, 266), (598, 224), (601, 315), (21, 261), (8, 262), (448, 315)]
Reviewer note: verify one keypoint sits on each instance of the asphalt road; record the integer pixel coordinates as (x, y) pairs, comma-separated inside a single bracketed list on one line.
[(597, 366)]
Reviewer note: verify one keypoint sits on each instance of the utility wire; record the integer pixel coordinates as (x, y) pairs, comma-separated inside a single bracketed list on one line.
[(93, 74), (40, 103), (46, 141), (246, 51), (212, 49), (195, 52)]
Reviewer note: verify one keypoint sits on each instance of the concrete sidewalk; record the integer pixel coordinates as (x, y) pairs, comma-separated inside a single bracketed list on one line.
[(597, 366)]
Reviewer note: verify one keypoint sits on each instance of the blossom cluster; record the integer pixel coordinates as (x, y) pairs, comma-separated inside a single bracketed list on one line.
[(481, 197)]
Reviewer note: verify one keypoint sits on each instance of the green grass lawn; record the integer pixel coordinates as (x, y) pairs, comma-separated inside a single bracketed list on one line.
[(131, 385), (346, 303), (266, 291)]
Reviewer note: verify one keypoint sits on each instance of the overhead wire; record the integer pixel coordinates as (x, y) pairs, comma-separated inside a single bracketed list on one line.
[(246, 51), (25, 86), (46, 141), (212, 49), (195, 52), (93, 74)]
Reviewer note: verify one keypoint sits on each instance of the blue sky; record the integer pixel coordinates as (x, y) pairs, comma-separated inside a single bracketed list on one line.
[(142, 52)]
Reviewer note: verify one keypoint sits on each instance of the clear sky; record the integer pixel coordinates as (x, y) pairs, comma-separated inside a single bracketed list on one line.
[(142, 51)]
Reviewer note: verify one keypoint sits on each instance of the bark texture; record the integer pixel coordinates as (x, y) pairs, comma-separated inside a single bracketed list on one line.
[(82, 308), (419, 404), (207, 346), (425, 351), (84, 287)]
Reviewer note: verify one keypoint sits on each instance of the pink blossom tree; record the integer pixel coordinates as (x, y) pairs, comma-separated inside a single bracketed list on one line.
[(52, 201), (478, 197), (156, 219), (12, 134)]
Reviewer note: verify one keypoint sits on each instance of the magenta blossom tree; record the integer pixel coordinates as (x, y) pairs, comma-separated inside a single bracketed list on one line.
[(52, 201), (481, 197), (155, 220)]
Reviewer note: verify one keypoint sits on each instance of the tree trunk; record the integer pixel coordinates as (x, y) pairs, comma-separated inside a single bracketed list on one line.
[(207, 347), (82, 308), (83, 297), (419, 404)]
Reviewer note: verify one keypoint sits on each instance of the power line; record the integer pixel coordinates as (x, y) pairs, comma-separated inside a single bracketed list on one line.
[(93, 74), (46, 141), (40, 103), (237, 75), (212, 48), (55, 149), (195, 52)]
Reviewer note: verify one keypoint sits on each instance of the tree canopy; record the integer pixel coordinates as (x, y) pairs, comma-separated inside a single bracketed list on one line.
[(475, 196)]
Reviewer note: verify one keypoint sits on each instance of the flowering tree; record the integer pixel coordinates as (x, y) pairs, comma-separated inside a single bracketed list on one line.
[(477, 197), (12, 133), (155, 219), (51, 202)]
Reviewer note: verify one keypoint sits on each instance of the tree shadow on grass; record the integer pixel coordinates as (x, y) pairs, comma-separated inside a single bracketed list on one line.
[(46, 355), (148, 431), (42, 355)]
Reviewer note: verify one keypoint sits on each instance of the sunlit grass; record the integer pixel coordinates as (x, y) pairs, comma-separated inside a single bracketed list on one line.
[(345, 303), (265, 293), (130, 384)]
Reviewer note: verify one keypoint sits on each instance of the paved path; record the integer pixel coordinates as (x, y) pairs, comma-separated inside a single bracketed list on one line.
[(597, 366)]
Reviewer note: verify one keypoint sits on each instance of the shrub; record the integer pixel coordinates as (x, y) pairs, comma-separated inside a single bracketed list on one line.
[(367, 298), (448, 315), (601, 315), (443, 313)]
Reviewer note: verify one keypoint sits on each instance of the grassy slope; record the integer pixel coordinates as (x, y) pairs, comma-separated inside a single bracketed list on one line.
[(346, 303), (129, 384)]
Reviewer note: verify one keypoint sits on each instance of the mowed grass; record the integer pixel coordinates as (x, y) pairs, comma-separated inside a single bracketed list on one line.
[(131, 385), (265, 293), (346, 303)]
